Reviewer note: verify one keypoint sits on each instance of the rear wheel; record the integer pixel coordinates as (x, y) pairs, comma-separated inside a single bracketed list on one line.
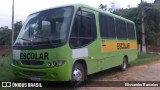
[(124, 64), (78, 74)]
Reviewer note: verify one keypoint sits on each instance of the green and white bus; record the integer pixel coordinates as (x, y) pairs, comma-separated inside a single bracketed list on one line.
[(70, 42)]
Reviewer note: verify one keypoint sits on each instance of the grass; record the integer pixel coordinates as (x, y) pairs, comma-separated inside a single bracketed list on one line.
[(6, 73), (145, 58)]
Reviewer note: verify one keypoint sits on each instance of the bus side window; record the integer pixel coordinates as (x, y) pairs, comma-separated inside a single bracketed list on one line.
[(131, 31), (121, 29), (107, 26), (83, 30)]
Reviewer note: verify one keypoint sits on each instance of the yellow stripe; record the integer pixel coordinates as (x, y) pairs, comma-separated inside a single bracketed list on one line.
[(114, 46)]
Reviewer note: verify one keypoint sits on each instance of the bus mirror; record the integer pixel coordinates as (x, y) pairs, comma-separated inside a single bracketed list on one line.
[(79, 11)]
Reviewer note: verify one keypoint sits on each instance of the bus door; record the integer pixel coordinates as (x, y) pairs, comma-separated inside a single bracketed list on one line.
[(83, 38)]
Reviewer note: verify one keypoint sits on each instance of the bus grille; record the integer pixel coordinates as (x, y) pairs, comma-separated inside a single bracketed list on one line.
[(33, 73), (32, 62)]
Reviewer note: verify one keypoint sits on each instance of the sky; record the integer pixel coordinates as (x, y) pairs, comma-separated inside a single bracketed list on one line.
[(25, 7)]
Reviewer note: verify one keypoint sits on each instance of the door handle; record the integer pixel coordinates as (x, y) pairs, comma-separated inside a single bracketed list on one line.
[(103, 45)]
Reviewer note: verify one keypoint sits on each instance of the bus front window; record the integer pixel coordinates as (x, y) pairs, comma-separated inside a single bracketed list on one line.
[(47, 27)]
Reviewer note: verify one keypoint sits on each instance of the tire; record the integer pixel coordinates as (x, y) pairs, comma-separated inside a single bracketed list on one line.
[(124, 64), (78, 75)]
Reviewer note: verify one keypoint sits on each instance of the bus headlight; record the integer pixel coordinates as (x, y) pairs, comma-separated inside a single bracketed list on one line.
[(49, 64), (56, 63)]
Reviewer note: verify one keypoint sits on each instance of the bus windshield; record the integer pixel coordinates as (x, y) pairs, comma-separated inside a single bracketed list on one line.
[(46, 27)]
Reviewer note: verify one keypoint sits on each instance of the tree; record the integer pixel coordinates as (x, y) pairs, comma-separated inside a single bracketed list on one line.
[(113, 7), (103, 7), (17, 28), (157, 1), (5, 33), (151, 21), (5, 36)]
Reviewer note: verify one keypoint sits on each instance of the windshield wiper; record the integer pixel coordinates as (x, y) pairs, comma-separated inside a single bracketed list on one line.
[(45, 38), (27, 40), (41, 37)]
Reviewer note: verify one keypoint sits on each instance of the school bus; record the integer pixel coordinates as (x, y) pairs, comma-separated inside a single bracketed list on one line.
[(70, 42)]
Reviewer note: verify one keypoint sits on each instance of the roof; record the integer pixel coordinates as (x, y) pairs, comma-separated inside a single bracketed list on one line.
[(89, 7)]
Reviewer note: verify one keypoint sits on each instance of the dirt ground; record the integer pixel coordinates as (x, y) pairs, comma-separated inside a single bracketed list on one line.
[(146, 72)]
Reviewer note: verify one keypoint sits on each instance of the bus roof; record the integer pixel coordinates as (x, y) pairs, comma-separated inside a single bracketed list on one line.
[(89, 7)]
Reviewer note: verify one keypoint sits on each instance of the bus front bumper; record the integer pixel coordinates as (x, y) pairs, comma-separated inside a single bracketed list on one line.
[(61, 73)]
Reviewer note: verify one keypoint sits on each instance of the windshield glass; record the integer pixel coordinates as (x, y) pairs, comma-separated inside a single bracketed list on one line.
[(46, 27)]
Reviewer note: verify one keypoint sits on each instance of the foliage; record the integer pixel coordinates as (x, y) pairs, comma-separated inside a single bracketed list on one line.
[(103, 7), (145, 58), (6, 69), (5, 36), (151, 21), (113, 6), (17, 28), (157, 1), (6, 33)]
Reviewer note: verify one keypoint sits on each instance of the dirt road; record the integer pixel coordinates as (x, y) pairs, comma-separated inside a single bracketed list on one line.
[(146, 72)]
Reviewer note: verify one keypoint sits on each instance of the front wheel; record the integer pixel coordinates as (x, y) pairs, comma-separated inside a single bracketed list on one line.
[(78, 74)]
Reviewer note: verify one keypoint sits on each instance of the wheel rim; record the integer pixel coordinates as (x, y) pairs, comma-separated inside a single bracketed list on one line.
[(124, 64), (77, 75)]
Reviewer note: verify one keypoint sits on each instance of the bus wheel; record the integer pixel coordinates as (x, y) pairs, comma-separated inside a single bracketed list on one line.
[(78, 75), (124, 64)]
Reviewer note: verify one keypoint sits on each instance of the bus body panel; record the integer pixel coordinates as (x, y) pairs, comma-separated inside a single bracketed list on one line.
[(55, 73), (47, 74), (98, 55)]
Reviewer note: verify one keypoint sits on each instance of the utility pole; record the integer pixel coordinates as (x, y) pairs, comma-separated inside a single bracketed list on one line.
[(143, 32), (12, 24)]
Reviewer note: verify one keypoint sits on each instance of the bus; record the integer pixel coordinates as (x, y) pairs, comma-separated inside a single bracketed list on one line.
[(68, 43)]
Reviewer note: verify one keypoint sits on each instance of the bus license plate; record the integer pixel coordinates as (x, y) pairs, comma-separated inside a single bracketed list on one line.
[(34, 78)]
